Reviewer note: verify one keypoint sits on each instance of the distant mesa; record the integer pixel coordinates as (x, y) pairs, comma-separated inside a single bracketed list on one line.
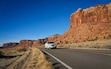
[(27, 43), (90, 24), (11, 44)]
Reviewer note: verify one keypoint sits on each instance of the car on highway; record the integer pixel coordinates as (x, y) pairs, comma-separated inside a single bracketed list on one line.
[(50, 45)]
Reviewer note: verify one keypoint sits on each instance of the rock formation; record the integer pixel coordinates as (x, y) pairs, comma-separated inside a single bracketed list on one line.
[(39, 42), (89, 24), (54, 38), (11, 44), (25, 42)]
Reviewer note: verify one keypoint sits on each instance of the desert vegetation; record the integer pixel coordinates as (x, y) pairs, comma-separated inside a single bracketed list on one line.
[(37, 60), (23, 58), (11, 57), (99, 44)]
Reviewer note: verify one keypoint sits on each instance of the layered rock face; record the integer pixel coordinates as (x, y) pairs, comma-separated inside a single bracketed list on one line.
[(38, 42), (93, 15), (26, 43), (54, 38), (89, 24), (11, 44)]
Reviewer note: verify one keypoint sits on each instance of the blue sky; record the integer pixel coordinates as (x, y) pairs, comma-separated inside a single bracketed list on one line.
[(35, 19)]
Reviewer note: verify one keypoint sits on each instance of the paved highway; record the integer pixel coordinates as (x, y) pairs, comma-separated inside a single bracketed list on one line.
[(82, 58)]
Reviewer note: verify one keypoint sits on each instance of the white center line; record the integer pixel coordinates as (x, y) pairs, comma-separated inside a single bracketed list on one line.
[(67, 66)]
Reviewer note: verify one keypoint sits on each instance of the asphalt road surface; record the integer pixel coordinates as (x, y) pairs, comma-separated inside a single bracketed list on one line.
[(82, 58)]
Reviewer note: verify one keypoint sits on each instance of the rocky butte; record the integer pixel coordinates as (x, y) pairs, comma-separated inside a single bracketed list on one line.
[(90, 24), (11, 44)]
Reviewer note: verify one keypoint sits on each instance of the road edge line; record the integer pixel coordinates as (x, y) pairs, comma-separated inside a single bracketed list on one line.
[(67, 66)]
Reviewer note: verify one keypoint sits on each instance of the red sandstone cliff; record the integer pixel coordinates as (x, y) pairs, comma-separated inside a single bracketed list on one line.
[(39, 41), (89, 24), (54, 38), (43, 41), (25, 42)]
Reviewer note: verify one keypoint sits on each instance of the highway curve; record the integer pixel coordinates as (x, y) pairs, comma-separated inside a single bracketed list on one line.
[(82, 58)]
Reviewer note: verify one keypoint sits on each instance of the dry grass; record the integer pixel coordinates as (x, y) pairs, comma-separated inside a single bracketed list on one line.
[(38, 60), (100, 44), (10, 58), (42, 62), (19, 49), (31, 58), (15, 64)]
